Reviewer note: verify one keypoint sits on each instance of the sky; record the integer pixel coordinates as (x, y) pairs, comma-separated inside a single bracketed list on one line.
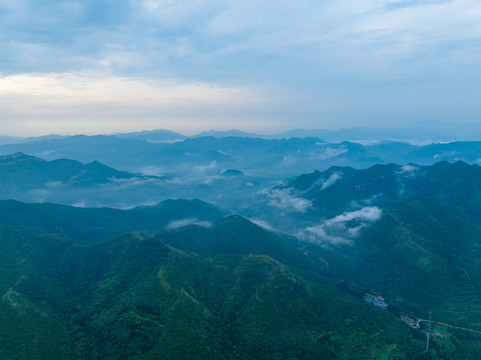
[(104, 66)]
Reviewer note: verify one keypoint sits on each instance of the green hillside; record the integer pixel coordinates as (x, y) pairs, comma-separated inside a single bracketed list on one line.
[(135, 297), (336, 190), (423, 255)]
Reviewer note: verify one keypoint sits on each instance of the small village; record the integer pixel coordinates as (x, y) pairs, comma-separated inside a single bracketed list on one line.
[(380, 302), (410, 321), (415, 325), (375, 300)]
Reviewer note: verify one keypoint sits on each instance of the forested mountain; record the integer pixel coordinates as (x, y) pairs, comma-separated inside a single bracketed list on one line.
[(341, 189), (137, 296)]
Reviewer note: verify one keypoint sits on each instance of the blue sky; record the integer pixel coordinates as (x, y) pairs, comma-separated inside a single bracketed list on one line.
[(266, 66)]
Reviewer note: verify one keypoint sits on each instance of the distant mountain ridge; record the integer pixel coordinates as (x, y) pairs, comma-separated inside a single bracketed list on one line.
[(94, 225), (165, 154), (277, 157), (17, 165), (153, 136), (32, 179)]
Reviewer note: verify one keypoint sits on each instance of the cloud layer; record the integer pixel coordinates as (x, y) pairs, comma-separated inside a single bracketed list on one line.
[(101, 103), (308, 63)]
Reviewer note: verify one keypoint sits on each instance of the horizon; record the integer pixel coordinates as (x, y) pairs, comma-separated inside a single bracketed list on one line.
[(423, 124)]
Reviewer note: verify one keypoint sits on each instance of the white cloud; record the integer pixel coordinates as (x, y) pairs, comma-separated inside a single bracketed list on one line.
[(331, 180), (202, 169), (131, 183), (39, 195), (342, 229), (319, 235), (176, 224), (445, 154), (54, 184), (73, 102), (329, 152), (325, 183), (66, 90), (154, 170), (285, 199), (80, 204), (409, 170), (371, 213), (263, 224)]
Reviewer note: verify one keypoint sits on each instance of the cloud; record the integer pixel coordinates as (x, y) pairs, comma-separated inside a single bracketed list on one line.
[(285, 199), (132, 182), (133, 206), (445, 154), (61, 90), (39, 195), (187, 172), (54, 184), (153, 170), (203, 169), (175, 35), (176, 224), (263, 224), (329, 152), (319, 235), (342, 229), (331, 180), (100, 102), (409, 170), (325, 183), (369, 214), (294, 62), (80, 204)]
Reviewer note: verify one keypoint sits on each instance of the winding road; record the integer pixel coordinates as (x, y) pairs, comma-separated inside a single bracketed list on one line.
[(455, 327), (440, 323)]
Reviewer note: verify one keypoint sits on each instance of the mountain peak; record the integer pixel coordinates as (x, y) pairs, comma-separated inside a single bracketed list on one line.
[(233, 172)]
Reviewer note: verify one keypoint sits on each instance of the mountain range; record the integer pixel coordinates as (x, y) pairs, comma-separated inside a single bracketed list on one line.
[(409, 232), (196, 158), (272, 258), (419, 132)]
